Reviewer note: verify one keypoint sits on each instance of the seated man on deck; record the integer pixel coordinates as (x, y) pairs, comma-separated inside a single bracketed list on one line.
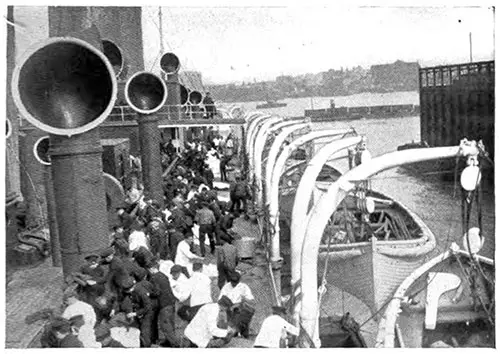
[(200, 293), (243, 301), (184, 257), (209, 328), (274, 330)]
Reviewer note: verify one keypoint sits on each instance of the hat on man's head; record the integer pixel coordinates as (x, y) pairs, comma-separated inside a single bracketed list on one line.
[(91, 257), (234, 276), (61, 325), (175, 269), (127, 283), (77, 321), (107, 252), (225, 301), (279, 310)]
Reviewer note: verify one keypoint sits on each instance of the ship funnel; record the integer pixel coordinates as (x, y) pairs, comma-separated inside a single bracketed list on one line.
[(169, 63), (145, 92), (114, 55), (64, 86)]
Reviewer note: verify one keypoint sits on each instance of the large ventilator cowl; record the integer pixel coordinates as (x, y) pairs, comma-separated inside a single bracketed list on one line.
[(145, 92), (114, 55), (170, 63), (195, 97), (41, 150), (64, 86)]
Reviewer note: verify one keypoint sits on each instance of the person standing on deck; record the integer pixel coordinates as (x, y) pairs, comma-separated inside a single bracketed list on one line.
[(243, 300), (166, 305), (227, 260), (208, 102), (229, 146), (222, 167), (274, 330), (239, 192), (206, 219)]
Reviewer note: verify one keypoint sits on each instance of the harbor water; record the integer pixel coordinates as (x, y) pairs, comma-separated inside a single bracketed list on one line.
[(438, 203)]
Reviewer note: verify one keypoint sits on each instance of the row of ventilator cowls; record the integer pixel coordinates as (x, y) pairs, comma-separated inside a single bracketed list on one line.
[(67, 86)]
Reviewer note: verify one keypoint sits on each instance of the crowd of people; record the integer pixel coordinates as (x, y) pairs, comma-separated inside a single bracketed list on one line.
[(152, 275)]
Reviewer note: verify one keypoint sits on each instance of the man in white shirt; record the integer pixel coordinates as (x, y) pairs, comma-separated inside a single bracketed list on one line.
[(274, 330), (244, 302), (137, 239), (184, 257), (179, 283), (205, 330), (200, 289), (75, 308)]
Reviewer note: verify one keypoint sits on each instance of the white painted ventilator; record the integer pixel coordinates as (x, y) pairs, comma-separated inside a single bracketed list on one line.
[(301, 203), (260, 137), (277, 171), (271, 158), (324, 208)]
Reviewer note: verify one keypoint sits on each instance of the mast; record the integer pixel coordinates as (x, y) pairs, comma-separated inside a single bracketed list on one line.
[(162, 51)]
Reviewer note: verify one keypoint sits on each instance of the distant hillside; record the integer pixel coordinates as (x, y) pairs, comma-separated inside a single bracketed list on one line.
[(398, 76)]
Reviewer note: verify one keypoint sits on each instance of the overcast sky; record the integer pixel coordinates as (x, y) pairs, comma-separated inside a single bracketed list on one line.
[(246, 43)]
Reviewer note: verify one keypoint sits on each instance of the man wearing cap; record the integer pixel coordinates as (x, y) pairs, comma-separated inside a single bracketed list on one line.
[(91, 278), (184, 257), (274, 330), (209, 328), (206, 219), (143, 307), (200, 292), (244, 303)]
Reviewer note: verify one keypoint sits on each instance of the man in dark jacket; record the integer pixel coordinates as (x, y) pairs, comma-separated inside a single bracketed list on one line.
[(227, 260), (208, 102), (166, 304), (239, 192), (206, 219), (143, 308)]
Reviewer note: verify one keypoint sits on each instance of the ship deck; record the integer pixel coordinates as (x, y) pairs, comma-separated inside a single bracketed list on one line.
[(31, 290)]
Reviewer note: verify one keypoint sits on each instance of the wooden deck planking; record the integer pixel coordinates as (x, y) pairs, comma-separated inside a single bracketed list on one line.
[(29, 291)]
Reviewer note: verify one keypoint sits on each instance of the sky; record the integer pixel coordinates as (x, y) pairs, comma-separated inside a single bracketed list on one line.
[(236, 44)]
